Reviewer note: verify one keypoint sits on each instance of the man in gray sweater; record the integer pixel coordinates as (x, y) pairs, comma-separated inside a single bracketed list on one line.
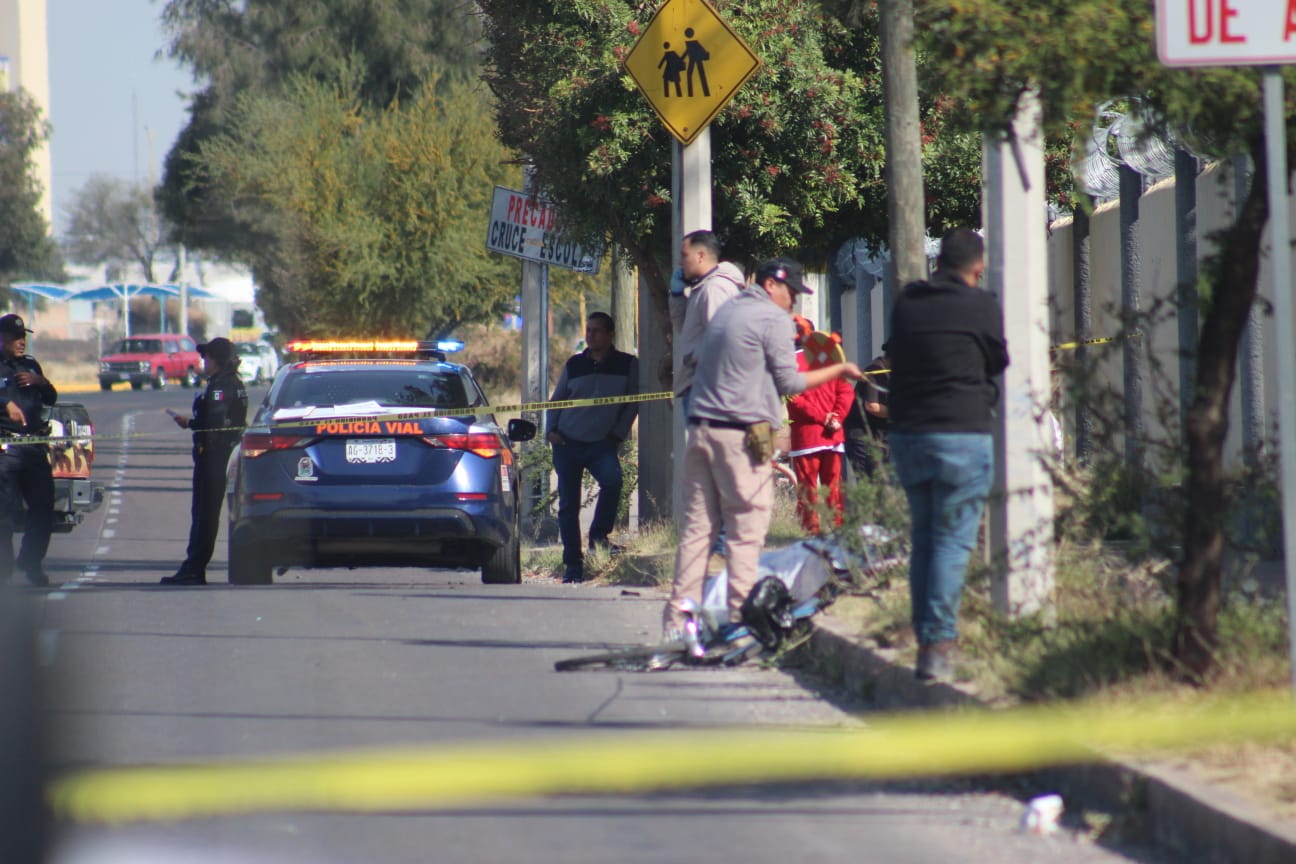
[(589, 438)]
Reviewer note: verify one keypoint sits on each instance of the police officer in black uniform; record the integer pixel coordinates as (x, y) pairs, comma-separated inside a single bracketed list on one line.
[(25, 471), (219, 413)]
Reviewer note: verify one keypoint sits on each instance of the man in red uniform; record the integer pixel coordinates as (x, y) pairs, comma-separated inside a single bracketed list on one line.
[(818, 438)]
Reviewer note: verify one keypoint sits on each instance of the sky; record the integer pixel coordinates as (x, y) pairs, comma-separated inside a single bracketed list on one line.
[(109, 97)]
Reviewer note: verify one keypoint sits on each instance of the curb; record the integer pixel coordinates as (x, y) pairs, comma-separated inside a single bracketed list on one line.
[(1183, 816)]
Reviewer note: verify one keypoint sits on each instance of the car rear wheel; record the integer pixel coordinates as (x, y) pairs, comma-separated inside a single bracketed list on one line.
[(190, 378), (248, 565), (159, 380), (505, 566)]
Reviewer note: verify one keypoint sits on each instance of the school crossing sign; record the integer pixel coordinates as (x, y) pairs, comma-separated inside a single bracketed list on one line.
[(689, 64)]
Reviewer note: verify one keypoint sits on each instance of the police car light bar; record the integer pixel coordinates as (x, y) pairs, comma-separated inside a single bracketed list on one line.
[(370, 346), (449, 346)]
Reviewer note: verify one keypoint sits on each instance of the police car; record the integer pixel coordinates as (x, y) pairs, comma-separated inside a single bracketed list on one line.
[(375, 454)]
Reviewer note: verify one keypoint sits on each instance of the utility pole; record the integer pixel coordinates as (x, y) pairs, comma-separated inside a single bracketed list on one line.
[(904, 178)]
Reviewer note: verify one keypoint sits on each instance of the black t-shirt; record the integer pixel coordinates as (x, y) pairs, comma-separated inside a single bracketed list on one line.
[(946, 348)]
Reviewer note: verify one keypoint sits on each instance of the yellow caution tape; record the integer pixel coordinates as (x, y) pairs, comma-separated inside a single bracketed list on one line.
[(443, 776), (1068, 346)]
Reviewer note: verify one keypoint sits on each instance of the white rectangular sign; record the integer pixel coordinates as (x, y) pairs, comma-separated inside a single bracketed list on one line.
[(523, 226), (1226, 32)]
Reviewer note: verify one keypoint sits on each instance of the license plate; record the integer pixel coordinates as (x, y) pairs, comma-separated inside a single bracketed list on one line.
[(371, 450)]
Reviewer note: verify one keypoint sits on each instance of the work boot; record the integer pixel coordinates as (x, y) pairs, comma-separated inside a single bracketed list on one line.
[(184, 577), (936, 661), (574, 573)]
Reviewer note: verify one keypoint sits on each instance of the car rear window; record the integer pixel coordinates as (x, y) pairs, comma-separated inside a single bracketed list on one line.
[(137, 346), (422, 389)]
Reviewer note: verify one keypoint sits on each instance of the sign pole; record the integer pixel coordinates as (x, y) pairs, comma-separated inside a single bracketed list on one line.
[(691, 182), (1280, 272)]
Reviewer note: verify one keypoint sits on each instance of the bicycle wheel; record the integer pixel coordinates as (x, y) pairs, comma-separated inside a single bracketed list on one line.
[(637, 658)]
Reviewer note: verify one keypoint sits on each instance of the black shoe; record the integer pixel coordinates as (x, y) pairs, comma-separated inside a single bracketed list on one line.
[(574, 574), (183, 577), (38, 577)]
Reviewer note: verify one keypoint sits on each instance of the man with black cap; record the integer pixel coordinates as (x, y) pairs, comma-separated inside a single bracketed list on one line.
[(745, 366), (219, 414), (25, 472)]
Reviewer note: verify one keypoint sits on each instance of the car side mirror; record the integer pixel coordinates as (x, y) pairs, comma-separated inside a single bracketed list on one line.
[(521, 430)]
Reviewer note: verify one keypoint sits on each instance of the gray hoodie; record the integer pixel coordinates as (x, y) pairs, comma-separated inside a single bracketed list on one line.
[(692, 313)]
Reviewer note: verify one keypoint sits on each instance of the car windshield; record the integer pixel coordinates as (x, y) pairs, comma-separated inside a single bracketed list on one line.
[(422, 388), (137, 346)]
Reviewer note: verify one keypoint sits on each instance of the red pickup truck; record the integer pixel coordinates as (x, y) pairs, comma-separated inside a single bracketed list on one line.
[(154, 359)]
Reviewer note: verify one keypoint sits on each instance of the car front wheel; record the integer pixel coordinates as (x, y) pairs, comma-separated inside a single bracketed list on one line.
[(248, 565), (105, 385), (159, 380), (505, 566), (190, 378)]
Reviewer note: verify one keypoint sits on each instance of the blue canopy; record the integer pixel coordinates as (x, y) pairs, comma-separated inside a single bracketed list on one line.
[(125, 291), (31, 290)]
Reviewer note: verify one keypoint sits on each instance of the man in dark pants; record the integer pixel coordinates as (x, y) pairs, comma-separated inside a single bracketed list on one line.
[(219, 414), (25, 472), (590, 438)]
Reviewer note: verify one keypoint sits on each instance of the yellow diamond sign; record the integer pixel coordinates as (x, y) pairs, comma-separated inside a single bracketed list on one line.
[(689, 64)]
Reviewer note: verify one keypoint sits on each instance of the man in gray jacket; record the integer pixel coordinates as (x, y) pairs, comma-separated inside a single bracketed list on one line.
[(746, 365), (589, 438)]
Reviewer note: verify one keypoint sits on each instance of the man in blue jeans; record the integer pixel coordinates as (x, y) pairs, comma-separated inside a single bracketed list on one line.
[(946, 348), (589, 438)]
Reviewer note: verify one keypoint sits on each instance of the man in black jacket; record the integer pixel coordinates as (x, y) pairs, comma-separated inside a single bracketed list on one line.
[(25, 472), (219, 414), (946, 348)]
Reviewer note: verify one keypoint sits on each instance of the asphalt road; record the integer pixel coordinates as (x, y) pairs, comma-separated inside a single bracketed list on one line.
[(339, 659)]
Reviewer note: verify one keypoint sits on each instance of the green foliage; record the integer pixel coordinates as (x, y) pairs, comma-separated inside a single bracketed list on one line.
[(375, 214), (25, 248), (258, 46), (797, 155)]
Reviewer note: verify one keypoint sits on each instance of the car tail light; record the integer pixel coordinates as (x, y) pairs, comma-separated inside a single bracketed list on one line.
[(259, 443), (485, 444)]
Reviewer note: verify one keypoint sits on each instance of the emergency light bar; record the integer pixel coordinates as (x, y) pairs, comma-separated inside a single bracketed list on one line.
[(373, 346), (363, 346)]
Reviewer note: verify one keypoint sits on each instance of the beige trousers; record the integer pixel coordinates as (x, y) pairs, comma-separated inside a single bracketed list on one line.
[(721, 486)]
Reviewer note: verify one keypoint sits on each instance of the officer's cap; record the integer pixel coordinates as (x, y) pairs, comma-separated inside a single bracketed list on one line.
[(783, 270), (13, 326), (219, 349)]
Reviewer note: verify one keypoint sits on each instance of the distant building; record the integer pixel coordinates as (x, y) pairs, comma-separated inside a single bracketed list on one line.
[(24, 63)]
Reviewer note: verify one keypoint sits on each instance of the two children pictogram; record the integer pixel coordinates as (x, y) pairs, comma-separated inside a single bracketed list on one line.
[(688, 61)]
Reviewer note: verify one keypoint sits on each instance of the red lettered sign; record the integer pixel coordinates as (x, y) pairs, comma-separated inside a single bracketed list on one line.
[(1226, 32)]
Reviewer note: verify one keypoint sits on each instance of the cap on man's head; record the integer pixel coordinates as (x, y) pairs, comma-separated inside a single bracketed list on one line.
[(219, 349), (783, 270), (13, 326)]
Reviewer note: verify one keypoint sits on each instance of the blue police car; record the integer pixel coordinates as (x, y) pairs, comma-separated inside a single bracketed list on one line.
[(375, 454)]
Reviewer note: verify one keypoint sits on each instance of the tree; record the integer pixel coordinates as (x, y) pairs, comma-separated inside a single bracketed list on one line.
[(26, 250), (1077, 55), (375, 216), (797, 155), (257, 46), (112, 221)]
